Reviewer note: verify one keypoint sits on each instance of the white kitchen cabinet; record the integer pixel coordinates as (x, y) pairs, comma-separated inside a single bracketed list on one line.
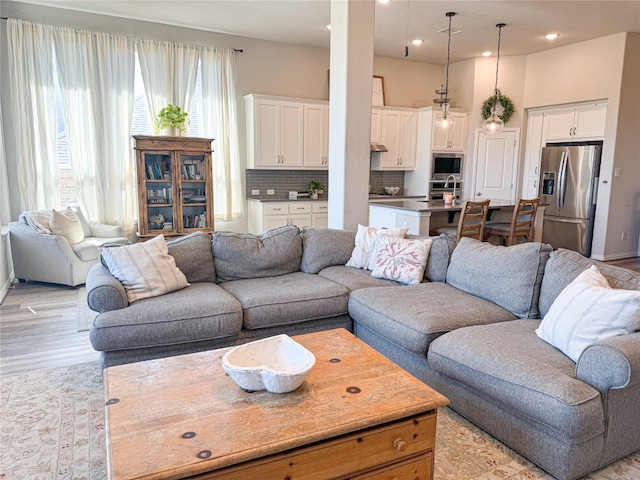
[(274, 133), (376, 125), (316, 136), (578, 122), (532, 155), (456, 141), (264, 216), (399, 130)]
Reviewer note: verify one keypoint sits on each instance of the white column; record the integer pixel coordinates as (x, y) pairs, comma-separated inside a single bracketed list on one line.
[(352, 35)]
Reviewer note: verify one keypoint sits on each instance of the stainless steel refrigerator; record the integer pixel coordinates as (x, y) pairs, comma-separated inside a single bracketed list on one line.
[(568, 189)]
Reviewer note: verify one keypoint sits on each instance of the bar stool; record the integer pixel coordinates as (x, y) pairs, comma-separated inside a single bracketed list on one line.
[(471, 223), (522, 223)]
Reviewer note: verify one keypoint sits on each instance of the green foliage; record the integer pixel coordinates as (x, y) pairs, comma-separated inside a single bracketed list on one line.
[(314, 186), (171, 116), (504, 101)]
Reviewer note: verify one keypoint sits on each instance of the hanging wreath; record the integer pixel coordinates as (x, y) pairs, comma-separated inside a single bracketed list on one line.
[(504, 101)]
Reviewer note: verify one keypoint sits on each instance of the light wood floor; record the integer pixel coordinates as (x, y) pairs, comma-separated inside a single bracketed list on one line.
[(38, 327)]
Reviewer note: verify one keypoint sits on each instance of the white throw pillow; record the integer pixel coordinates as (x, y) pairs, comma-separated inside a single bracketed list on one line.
[(401, 259), (589, 310), (66, 224), (145, 269), (366, 243)]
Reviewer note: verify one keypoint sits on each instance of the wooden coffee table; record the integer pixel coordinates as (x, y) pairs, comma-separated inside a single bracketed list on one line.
[(357, 415)]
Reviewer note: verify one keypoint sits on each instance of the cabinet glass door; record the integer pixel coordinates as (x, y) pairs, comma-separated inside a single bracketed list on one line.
[(159, 192), (194, 192)]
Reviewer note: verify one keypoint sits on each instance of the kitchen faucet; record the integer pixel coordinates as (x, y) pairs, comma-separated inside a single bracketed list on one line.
[(446, 185)]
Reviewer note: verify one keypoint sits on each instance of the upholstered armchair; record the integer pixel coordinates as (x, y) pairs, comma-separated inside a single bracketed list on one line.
[(44, 253)]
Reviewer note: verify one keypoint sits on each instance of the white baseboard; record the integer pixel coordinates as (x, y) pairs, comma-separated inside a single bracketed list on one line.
[(616, 256), (5, 288)]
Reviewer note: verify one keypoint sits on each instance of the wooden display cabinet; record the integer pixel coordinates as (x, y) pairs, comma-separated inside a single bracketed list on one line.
[(175, 187)]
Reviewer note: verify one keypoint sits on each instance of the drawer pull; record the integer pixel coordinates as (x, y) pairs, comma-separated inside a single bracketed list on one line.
[(399, 444)]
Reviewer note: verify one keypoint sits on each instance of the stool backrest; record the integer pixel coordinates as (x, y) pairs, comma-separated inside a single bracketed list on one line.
[(472, 219), (523, 219)]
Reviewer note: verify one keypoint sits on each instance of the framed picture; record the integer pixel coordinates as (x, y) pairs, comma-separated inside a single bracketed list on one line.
[(377, 92)]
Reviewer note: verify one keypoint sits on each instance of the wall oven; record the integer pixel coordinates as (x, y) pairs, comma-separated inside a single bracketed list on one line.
[(444, 165)]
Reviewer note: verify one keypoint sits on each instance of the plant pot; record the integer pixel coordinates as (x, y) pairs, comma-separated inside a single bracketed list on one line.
[(314, 196), (170, 132)]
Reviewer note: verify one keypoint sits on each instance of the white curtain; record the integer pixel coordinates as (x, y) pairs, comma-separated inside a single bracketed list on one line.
[(5, 207), (168, 72), (34, 113), (220, 123), (97, 76)]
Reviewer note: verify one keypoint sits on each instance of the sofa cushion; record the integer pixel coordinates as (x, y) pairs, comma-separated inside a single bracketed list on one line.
[(193, 256), (202, 311), (401, 260), (565, 265), (589, 310), (508, 276), (145, 269), (439, 257), (240, 256), (510, 366), (354, 278), (324, 247), (66, 224), (88, 249), (287, 299), (366, 244), (412, 316)]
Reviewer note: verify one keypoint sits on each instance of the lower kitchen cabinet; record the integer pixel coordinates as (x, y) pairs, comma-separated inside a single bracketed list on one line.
[(265, 216)]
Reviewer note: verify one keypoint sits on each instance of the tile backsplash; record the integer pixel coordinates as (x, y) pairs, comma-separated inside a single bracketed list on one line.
[(283, 181)]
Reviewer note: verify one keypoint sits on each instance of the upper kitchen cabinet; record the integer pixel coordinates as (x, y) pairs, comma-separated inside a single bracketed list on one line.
[(576, 122), (398, 134), (376, 125), (274, 133), (316, 136), (456, 141), (532, 153)]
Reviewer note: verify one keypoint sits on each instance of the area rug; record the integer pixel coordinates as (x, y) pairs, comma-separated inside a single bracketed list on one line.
[(84, 315), (52, 427)]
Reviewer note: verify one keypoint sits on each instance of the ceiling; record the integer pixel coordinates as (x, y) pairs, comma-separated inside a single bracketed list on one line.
[(302, 22)]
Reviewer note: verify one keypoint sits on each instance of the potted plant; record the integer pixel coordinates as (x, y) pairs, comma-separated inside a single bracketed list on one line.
[(171, 121), (315, 188)]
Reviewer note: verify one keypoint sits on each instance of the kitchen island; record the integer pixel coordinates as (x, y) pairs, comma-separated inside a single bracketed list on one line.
[(421, 215)]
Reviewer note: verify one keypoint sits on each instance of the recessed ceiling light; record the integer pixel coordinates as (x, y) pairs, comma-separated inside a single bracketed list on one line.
[(328, 27), (486, 54), (551, 36), (417, 41), (384, 1)]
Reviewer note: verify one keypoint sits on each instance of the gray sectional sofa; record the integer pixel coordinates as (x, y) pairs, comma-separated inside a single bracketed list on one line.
[(468, 329)]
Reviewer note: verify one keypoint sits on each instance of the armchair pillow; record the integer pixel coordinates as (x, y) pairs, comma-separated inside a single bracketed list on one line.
[(145, 269), (589, 310), (366, 244), (67, 224)]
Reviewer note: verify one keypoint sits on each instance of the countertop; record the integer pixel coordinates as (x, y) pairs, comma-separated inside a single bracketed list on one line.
[(433, 205), (284, 200)]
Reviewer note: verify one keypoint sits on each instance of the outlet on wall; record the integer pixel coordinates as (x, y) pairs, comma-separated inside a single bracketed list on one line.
[(255, 192), (271, 191), (623, 236)]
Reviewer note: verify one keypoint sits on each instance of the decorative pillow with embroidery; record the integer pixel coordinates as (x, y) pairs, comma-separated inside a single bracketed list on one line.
[(589, 310), (401, 259), (366, 243), (145, 269), (67, 224)]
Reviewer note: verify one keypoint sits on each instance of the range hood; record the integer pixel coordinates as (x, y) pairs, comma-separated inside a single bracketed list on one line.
[(378, 147)]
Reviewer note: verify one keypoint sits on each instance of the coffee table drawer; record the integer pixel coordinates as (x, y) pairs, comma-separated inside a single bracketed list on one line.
[(417, 468), (365, 452)]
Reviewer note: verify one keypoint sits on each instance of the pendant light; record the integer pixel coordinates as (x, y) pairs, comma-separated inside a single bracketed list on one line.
[(445, 121), (494, 124)]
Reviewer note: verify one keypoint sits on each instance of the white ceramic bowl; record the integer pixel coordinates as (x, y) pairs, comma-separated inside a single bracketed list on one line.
[(277, 364), (391, 190)]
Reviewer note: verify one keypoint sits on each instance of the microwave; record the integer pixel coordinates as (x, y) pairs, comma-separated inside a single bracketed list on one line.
[(445, 164)]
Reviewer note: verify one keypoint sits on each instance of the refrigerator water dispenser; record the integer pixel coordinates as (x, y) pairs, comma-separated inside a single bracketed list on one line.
[(548, 182)]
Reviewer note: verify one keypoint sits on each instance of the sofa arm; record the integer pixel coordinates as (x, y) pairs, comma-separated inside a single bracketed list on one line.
[(104, 291), (611, 363), (102, 230)]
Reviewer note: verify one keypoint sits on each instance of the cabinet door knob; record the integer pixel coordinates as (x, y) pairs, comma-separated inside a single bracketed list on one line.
[(399, 444)]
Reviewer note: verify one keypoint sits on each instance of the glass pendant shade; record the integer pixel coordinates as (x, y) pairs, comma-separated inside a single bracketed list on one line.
[(493, 125), (445, 121)]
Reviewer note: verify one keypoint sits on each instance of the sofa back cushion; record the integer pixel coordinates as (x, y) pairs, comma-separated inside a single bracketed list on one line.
[(193, 256), (565, 265), (439, 256), (238, 256), (325, 247), (507, 276)]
